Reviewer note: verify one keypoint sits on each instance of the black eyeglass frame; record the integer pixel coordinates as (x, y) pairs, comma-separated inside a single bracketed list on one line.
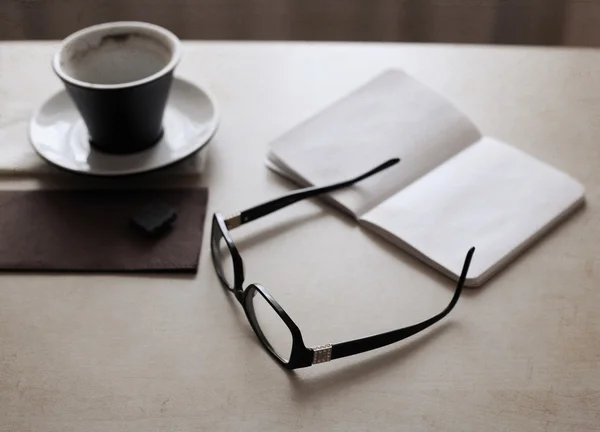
[(302, 356)]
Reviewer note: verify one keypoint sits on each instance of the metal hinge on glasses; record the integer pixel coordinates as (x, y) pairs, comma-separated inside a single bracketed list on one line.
[(233, 220), (321, 354)]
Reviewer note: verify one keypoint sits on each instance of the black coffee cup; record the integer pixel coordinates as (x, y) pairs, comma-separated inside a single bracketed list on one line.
[(119, 76)]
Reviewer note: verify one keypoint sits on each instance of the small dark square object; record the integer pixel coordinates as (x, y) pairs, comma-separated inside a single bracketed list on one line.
[(155, 218)]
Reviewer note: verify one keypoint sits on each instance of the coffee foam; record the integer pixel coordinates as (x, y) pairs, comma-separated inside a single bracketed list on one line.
[(116, 58)]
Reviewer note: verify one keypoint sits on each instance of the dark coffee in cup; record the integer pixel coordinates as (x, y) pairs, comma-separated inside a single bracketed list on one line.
[(119, 76)]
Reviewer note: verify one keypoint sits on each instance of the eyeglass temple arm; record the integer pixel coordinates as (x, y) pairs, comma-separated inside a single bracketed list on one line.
[(357, 346), (279, 203)]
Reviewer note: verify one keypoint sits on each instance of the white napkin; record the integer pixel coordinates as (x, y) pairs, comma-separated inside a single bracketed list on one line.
[(17, 156)]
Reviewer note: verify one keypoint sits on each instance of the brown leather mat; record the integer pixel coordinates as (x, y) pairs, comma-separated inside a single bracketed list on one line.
[(91, 230)]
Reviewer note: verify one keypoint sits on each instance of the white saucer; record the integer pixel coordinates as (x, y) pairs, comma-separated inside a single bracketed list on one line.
[(58, 134)]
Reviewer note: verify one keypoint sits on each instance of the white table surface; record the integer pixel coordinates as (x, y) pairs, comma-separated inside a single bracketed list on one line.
[(170, 353)]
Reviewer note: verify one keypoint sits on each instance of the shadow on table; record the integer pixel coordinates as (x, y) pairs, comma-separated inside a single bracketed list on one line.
[(344, 377)]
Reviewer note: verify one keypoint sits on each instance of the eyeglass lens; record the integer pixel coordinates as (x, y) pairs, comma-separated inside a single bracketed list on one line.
[(223, 258), (276, 333)]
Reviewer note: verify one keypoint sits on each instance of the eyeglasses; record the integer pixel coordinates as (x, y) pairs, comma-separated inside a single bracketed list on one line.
[(273, 326)]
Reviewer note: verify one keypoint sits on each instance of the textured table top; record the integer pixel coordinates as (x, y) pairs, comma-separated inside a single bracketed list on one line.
[(173, 353)]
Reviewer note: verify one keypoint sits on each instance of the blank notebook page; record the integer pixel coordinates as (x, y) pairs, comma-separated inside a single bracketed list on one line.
[(391, 116), (491, 196)]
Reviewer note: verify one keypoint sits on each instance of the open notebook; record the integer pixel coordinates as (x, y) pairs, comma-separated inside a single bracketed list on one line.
[(453, 188)]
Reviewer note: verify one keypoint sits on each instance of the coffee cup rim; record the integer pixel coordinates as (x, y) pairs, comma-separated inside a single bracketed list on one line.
[(175, 54)]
